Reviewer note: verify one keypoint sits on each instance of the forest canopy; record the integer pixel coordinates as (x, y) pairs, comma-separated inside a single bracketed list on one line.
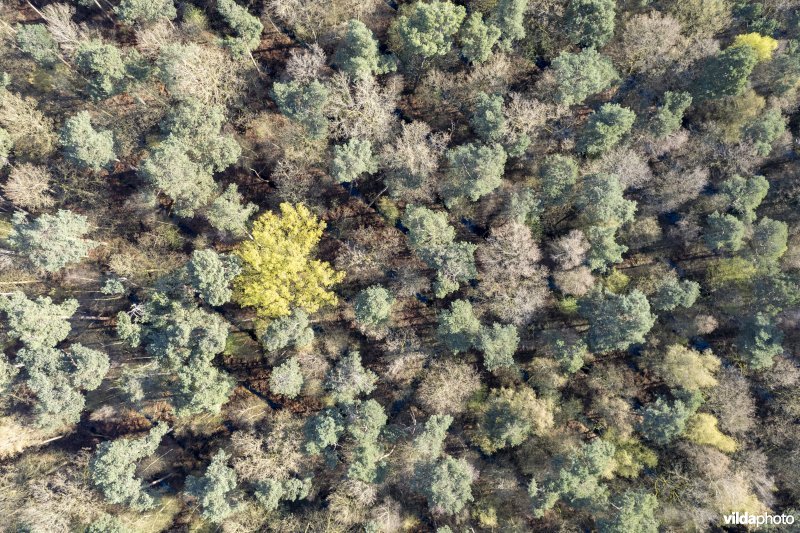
[(399, 266)]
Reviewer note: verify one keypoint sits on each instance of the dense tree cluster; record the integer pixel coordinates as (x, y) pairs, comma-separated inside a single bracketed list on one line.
[(424, 265)]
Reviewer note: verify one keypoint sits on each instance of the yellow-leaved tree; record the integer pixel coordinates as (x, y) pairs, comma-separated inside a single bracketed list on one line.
[(278, 271), (763, 45)]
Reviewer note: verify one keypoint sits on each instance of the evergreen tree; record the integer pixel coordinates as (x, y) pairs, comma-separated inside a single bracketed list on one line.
[(759, 341), (670, 115), (604, 249), (616, 320), (508, 16), (429, 444), (578, 482), (51, 242), (458, 327), (744, 195), (726, 74), (473, 171), (84, 146), (498, 344), (634, 512), (246, 27), (373, 306), (447, 485), (286, 379), (288, 330), (352, 160), (357, 54), (724, 232), (769, 242), (146, 11), (102, 65), (210, 274), (590, 22), (477, 38), (765, 130), (605, 129), (673, 293), (509, 417), (425, 29), (304, 103), (663, 422), (581, 75), (36, 41), (602, 203), (228, 214), (37, 323), (113, 468), (558, 174), (488, 120), (212, 490), (348, 379)]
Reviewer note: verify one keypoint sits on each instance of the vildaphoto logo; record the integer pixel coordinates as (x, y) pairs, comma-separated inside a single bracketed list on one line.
[(747, 519)]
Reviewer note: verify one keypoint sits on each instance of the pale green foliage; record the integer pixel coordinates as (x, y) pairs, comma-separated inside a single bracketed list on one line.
[(488, 120), (508, 17), (429, 444), (744, 195), (85, 146), (605, 129), (201, 388), (352, 160), (271, 492), (432, 238), (509, 417), (581, 75), (51, 242), (348, 379), (367, 420), (473, 171), (358, 55), (458, 327), (477, 38), (286, 379), (322, 430), (303, 102), (569, 352), (446, 485), (127, 330), (724, 232), (673, 293), (590, 22), (373, 306), (113, 468), (605, 250), (36, 41), (171, 170), (602, 203), (287, 330), (146, 11), (670, 115), (663, 422), (425, 29), (210, 274), (107, 524), (37, 323), (760, 341), (558, 174), (769, 241), (57, 377), (616, 320), (102, 65), (726, 74), (634, 512), (113, 286), (765, 130), (196, 126), (212, 490), (228, 214), (578, 482), (246, 27), (498, 344)]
